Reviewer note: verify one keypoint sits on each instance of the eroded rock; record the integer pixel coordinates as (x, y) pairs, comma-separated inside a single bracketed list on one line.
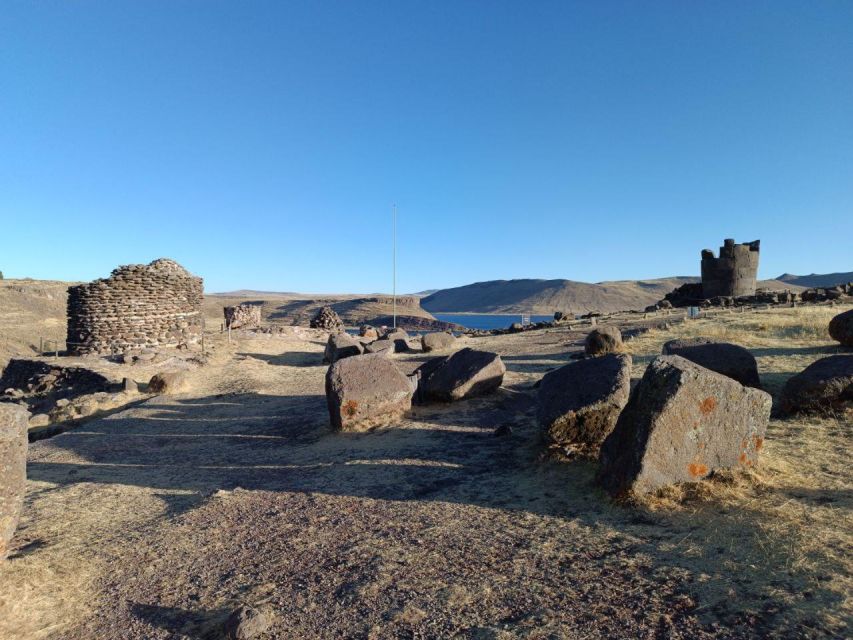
[(682, 422), (465, 374), (169, 382), (825, 385), (341, 345), (580, 402)]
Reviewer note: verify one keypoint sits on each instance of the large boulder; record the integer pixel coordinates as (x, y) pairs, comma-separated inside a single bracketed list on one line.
[(841, 328), (601, 340), (400, 339), (723, 357), (169, 382), (327, 319), (13, 469), (381, 346), (580, 402), (682, 422), (437, 341), (824, 385), (465, 374), (366, 391), (341, 345)]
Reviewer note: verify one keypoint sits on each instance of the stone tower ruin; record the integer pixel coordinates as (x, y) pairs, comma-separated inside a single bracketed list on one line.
[(138, 306), (734, 273)]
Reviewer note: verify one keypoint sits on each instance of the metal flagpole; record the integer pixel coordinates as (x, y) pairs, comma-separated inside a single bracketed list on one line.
[(394, 209)]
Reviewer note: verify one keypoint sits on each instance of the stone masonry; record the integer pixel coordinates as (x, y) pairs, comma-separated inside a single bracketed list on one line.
[(734, 273), (242, 316), (138, 306)]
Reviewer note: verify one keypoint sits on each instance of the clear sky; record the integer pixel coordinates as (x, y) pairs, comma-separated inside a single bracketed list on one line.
[(261, 144)]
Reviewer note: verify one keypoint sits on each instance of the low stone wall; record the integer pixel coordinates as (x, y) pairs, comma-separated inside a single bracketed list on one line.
[(245, 316), (138, 306)]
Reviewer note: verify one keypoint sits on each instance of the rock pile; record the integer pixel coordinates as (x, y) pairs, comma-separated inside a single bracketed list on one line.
[(13, 470), (681, 423), (40, 386), (245, 316), (328, 320), (138, 306)]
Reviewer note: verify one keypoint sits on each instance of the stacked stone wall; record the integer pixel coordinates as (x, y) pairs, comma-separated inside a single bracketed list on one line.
[(734, 274), (138, 306)]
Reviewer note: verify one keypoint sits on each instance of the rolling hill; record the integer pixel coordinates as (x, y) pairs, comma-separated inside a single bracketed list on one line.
[(817, 279)]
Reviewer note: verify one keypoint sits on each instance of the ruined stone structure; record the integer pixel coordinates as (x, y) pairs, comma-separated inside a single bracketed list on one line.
[(734, 273), (242, 316), (138, 306)]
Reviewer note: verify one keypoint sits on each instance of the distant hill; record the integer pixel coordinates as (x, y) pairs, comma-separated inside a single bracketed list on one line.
[(817, 279), (569, 296)]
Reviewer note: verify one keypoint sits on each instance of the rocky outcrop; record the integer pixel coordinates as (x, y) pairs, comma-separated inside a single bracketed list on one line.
[(825, 385), (13, 470), (841, 328), (366, 391), (681, 423), (465, 374), (601, 340), (723, 357), (138, 306), (437, 341), (341, 345), (579, 403), (242, 316), (327, 320)]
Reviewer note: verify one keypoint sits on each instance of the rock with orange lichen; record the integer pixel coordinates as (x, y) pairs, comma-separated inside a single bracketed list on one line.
[(681, 423), (366, 391)]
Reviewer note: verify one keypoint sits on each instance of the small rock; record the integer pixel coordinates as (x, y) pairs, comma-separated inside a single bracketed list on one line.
[(39, 420), (605, 339), (245, 623), (169, 382), (503, 430)]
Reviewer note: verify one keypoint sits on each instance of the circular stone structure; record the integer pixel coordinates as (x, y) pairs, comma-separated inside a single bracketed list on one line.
[(734, 273), (138, 306)]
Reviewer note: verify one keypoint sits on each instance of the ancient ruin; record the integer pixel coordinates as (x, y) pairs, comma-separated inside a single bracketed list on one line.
[(242, 316), (138, 306), (734, 273)]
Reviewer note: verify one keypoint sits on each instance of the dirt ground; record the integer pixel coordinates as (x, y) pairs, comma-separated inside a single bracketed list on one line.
[(156, 521)]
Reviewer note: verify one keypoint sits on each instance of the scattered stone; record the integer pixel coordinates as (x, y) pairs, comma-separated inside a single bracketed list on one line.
[(245, 623), (368, 332), (341, 345), (366, 391), (169, 382), (246, 316), (381, 346), (580, 402), (604, 339), (825, 385), (13, 470), (42, 386), (465, 374), (681, 423), (39, 420), (723, 357), (138, 305), (437, 341), (841, 328), (327, 319), (399, 338)]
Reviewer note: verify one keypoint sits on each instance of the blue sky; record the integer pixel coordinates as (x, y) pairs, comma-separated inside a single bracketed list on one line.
[(261, 144)]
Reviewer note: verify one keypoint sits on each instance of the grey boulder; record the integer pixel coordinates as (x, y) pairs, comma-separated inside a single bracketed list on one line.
[(437, 341), (341, 345), (723, 357), (580, 402), (366, 391), (825, 385), (169, 382), (682, 422), (13, 469), (841, 328), (464, 374)]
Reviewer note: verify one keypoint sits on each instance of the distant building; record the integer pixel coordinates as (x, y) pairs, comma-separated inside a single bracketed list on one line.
[(734, 273)]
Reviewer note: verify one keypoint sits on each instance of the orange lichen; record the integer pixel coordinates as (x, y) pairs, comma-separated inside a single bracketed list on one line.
[(708, 405), (697, 469), (758, 441), (350, 408)]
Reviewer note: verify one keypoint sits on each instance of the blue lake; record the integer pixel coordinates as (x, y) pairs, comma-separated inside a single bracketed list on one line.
[(486, 321)]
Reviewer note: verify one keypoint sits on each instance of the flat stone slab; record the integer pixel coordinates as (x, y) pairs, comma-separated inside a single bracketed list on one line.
[(580, 402), (725, 358), (825, 385), (366, 391), (682, 422)]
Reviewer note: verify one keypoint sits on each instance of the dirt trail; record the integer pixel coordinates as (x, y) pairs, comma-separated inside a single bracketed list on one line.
[(156, 521)]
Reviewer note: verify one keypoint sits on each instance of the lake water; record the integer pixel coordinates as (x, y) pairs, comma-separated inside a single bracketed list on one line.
[(486, 321)]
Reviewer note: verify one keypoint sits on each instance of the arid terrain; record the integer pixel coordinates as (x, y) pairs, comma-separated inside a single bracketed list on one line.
[(156, 520)]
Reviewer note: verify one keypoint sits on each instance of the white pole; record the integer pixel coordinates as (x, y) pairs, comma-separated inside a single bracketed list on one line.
[(394, 208)]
